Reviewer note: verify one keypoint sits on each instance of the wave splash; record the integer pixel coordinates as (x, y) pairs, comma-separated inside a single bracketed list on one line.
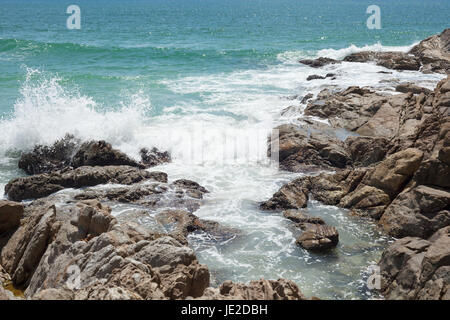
[(46, 111)]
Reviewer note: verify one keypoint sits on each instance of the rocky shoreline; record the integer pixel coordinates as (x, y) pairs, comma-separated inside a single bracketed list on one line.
[(60, 240)]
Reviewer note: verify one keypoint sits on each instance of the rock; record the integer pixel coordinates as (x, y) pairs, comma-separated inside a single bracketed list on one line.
[(314, 77), (349, 109), (319, 62), (318, 237), (182, 194), (411, 87), (306, 98), (293, 195), (416, 269), (366, 151), (79, 251), (154, 157), (49, 158), (101, 153), (300, 217), (434, 53), (366, 200), (417, 212), (280, 289), (42, 185), (10, 215), (306, 147), (390, 60), (392, 174)]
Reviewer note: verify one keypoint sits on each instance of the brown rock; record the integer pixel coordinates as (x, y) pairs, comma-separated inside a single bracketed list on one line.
[(390, 60), (318, 237), (10, 215)]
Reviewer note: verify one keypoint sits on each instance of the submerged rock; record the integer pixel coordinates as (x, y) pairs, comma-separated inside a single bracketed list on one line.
[(318, 237)]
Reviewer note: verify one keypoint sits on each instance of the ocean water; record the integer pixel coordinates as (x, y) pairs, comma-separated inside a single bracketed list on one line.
[(181, 74)]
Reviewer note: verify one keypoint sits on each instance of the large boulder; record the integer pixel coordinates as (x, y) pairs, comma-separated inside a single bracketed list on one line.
[(303, 147), (414, 268), (434, 53), (417, 212)]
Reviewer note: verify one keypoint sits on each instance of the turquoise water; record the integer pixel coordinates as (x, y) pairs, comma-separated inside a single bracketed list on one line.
[(166, 73)]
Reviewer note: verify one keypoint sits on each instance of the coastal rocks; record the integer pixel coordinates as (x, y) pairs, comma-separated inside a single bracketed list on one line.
[(44, 159), (434, 53), (101, 153), (411, 87), (112, 260), (69, 152), (349, 109), (366, 151), (416, 269), (319, 62), (318, 237), (154, 157), (10, 215), (417, 212), (42, 185), (300, 147), (293, 195), (300, 217), (390, 60), (152, 194), (263, 289)]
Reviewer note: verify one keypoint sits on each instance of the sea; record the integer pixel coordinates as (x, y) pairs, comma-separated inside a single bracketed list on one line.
[(201, 79)]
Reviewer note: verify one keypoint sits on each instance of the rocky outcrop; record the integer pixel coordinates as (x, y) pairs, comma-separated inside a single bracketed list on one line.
[(101, 153), (418, 211), (391, 60), (280, 289), (10, 215), (44, 159), (69, 152), (415, 268), (305, 147), (83, 249), (42, 185), (434, 53), (319, 62)]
